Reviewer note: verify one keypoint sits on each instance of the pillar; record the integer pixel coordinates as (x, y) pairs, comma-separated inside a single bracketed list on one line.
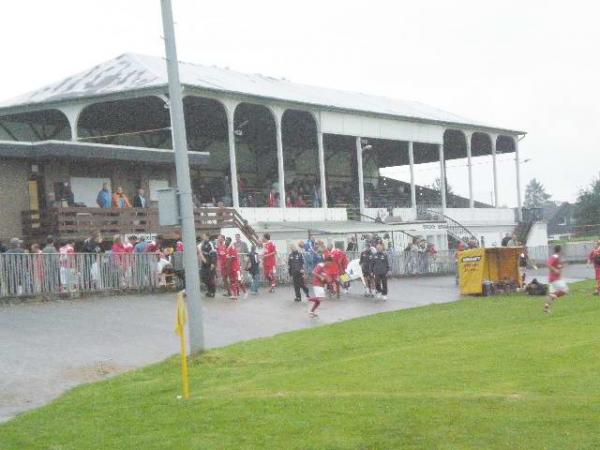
[(494, 169), (518, 169), (322, 166), (359, 166), (278, 115), (470, 169), (230, 109), (442, 178), (413, 189)]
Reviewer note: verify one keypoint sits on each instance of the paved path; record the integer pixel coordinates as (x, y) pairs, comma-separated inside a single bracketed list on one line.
[(47, 348)]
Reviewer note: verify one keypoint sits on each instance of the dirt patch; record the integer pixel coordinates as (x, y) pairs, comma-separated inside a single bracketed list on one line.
[(97, 371)]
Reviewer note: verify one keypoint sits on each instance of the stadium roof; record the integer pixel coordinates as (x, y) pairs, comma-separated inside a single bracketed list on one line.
[(132, 72)]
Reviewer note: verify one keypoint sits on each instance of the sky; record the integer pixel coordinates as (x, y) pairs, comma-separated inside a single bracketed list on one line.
[(529, 66)]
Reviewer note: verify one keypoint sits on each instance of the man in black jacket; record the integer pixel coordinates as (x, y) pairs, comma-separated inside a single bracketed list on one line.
[(208, 269), (381, 268), (140, 200), (366, 265), (296, 270)]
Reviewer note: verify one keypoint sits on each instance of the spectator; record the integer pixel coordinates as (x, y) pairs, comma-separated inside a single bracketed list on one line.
[(2, 247), (68, 198), (120, 200), (51, 201), (352, 245), (14, 246), (594, 259), (513, 242), (505, 240), (103, 199), (140, 200), (205, 195), (67, 265), (93, 244)]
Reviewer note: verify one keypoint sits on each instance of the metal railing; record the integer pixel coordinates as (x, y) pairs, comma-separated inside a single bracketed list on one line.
[(39, 275)]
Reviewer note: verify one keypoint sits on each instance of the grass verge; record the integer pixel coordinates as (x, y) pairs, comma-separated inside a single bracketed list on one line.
[(476, 374)]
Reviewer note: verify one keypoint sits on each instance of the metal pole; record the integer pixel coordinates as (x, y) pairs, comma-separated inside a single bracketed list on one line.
[(518, 167), (413, 190), (190, 258), (278, 116), (442, 178), (361, 186), (322, 167), (495, 169), (470, 167)]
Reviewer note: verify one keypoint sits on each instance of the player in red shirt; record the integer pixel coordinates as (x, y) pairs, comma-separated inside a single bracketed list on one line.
[(269, 260), (557, 286), (320, 280), (594, 259), (222, 264), (340, 259), (234, 271)]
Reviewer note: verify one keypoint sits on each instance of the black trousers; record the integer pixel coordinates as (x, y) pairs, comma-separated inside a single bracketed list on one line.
[(381, 284), (299, 284), (208, 277)]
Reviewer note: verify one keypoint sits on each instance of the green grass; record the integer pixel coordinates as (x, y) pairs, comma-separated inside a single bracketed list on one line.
[(477, 374)]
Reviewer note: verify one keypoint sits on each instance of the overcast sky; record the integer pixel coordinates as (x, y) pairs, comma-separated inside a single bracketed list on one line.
[(531, 66)]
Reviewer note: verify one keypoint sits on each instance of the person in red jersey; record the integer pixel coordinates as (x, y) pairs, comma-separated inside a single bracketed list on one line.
[(222, 264), (594, 260), (333, 271), (557, 286), (320, 281), (234, 271), (340, 259), (269, 260)]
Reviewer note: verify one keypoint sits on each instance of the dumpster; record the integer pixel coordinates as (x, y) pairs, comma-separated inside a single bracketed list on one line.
[(489, 271)]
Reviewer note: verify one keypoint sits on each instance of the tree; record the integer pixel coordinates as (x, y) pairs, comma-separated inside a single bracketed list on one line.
[(587, 206), (536, 195)]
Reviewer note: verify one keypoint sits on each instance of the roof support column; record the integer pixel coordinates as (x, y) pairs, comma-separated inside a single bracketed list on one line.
[(278, 114), (323, 182), (230, 109), (413, 190), (493, 138), (359, 166), (72, 112), (442, 178), (518, 173), (470, 169)]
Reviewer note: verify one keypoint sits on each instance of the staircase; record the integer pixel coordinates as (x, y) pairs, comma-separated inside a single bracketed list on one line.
[(244, 227), (455, 229), (522, 230)]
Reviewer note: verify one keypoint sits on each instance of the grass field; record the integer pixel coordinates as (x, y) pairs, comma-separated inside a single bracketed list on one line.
[(476, 374)]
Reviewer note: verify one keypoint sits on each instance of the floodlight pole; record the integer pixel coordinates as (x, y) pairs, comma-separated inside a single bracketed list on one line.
[(182, 167)]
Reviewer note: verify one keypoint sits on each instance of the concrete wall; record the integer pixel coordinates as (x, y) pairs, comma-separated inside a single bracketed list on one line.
[(14, 197), (478, 216)]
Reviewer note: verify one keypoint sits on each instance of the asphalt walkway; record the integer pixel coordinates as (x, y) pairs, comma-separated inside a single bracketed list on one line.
[(48, 348)]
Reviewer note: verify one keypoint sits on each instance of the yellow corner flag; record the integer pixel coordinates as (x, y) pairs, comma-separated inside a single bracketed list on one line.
[(181, 320)]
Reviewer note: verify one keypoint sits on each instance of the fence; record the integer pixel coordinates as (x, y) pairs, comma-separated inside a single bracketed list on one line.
[(31, 275)]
